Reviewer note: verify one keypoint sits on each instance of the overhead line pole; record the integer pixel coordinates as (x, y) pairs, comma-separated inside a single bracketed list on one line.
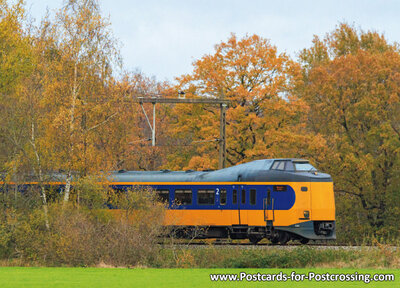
[(222, 137), (153, 137), (222, 131)]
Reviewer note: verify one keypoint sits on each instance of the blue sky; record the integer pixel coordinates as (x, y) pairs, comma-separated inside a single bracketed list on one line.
[(162, 38)]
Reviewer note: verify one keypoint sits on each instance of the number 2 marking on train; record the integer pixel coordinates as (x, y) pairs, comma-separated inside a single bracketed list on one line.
[(217, 191)]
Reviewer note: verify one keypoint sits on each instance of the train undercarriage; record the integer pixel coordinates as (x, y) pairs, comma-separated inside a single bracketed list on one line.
[(302, 232)]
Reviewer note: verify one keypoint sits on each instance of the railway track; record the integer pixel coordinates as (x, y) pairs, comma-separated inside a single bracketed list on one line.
[(322, 246)]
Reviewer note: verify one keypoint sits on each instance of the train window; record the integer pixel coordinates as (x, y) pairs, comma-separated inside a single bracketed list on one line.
[(183, 197), (163, 195), (278, 165), (234, 196), (206, 197), (268, 197), (275, 165), (289, 166), (304, 166), (253, 197), (222, 197), (243, 196), (280, 188), (281, 165)]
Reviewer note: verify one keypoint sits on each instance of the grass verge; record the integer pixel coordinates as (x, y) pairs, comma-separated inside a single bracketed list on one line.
[(278, 257), (384, 257), (123, 277)]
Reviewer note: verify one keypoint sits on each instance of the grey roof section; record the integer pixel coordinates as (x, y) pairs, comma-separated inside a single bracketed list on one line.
[(255, 171), (224, 175)]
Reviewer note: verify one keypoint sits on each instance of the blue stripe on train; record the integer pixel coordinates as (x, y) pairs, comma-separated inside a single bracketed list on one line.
[(283, 200)]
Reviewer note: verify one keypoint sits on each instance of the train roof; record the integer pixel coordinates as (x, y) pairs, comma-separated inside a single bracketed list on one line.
[(258, 170)]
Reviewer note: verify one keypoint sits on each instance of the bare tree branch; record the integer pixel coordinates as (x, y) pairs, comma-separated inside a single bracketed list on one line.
[(103, 122)]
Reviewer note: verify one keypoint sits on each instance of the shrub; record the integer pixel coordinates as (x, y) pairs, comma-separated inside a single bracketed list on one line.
[(83, 235)]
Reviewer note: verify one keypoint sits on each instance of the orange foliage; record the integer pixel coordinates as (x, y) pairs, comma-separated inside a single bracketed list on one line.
[(263, 116), (353, 94)]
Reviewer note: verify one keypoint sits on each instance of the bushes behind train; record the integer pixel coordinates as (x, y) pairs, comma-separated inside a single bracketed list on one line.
[(82, 233)]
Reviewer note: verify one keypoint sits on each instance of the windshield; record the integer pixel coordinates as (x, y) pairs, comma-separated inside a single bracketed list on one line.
[(303, 166)]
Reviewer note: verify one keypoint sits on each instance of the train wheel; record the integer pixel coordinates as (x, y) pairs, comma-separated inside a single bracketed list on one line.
[(304, 240), (274, 240), (254, 239), (283, 238)]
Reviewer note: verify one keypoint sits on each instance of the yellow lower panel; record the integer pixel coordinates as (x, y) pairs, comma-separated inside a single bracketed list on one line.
[(198, 217), (227, 217)]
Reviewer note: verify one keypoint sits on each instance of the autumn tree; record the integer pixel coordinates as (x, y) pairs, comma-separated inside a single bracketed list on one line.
[(263, 112), (15, 66), (20, 95), (78, 87), (351, 82)]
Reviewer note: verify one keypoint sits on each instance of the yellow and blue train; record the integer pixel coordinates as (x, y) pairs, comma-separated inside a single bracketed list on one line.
[(277, 199)]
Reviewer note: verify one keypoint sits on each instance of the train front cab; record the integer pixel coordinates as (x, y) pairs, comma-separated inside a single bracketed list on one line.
[(297, 210), (312, 216)]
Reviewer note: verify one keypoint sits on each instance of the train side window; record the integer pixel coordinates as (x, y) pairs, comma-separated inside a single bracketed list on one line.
[(278, 165), (268, 197), (183, 197), (222, 199), (253, 197), (289, 166), (234, 196), (206, 197), (163, 195), (243, 196), (281, 165), (275, 165)]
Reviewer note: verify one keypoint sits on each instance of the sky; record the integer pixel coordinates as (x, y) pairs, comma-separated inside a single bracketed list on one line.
[(163, 38)]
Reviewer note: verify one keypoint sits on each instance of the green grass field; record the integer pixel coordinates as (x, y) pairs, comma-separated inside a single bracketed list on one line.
[(122, 277)]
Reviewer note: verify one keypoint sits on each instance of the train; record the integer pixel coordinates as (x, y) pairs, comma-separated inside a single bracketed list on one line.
[(278, 199)]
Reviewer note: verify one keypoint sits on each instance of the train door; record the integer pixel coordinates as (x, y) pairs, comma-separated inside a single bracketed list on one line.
[(239, 202), (243, 199), (304, 198), (269, 205), (235, 205)]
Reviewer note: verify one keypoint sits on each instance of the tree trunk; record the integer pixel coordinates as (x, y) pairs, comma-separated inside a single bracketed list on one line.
[(40, 174), (74, 93), (67, 187)]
